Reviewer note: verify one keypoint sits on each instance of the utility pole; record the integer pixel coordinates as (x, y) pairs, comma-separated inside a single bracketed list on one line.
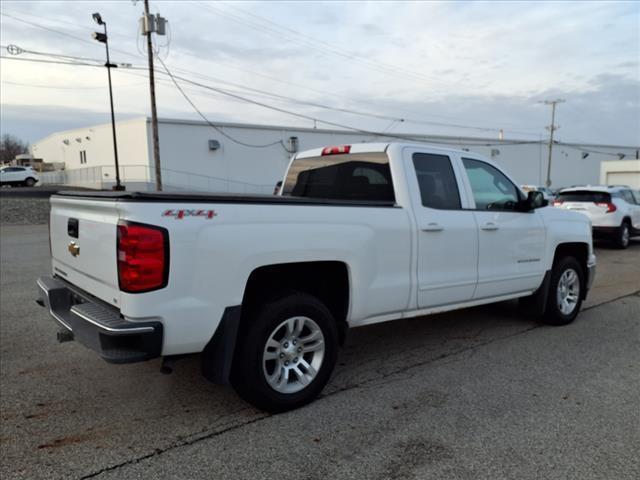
[(149, 25), (552, 128), (103, 38)]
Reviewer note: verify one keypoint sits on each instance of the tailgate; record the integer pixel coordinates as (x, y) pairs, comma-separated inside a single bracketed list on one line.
[(83, 245)]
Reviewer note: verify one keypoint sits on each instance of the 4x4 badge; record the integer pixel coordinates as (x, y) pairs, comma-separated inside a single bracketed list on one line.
[(180, 214)]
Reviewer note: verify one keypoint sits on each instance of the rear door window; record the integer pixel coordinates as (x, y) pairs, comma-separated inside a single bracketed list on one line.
[(437, 182), (584, 196), (357, 176)]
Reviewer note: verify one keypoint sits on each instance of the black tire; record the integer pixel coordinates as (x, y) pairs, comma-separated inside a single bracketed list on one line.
[(553, 314), (623, 235), (248, 376), (30, 182)]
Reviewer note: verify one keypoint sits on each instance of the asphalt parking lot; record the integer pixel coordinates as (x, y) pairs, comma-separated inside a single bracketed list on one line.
[(479, 393)]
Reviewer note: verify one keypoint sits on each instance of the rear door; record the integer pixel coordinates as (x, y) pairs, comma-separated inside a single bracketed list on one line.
[(83, 245), (447, 235), (510, 243)]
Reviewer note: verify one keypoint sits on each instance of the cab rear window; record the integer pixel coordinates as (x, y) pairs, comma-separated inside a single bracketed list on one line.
[(584, 196), (357, 176)]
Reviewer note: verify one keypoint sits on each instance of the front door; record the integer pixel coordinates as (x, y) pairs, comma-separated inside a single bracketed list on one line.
[(511, 242)]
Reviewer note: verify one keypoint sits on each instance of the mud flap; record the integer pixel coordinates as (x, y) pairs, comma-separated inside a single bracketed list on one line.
[(217, 356), (536, 303)]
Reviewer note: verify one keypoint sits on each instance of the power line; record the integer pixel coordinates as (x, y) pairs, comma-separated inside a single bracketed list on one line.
[(58, 32), (217, 129), (308, 103), (43, 27), (271, 107), (288, 112), (60, 87), (327, 122), (361, 113), (350, 100), (318, 45), (423, 122), (37, 60), (15, 50), (237, 19)]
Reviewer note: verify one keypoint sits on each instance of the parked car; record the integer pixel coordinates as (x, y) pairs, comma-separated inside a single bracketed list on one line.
[(18, 176), (548, 194), (267, 286), (614, 211)]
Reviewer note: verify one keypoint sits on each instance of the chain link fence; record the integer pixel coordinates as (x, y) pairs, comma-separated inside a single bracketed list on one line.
[(142, 178)]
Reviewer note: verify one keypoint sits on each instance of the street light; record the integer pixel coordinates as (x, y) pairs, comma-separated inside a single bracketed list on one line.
[(102, 38)]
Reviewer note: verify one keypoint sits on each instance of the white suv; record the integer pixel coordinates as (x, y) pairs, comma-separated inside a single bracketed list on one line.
[(614, 210), (18, 176)]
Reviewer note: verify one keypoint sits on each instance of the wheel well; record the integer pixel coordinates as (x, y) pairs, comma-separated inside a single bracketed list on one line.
[(328, 281), (626, 219), (578, 250)]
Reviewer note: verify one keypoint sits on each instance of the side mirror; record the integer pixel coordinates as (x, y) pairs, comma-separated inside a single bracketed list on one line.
[(535, 200)]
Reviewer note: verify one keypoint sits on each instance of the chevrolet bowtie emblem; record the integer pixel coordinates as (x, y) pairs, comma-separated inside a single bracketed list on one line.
[(74, 249)]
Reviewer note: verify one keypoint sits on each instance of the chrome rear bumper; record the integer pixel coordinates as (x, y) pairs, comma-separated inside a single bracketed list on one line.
[(99, 326)]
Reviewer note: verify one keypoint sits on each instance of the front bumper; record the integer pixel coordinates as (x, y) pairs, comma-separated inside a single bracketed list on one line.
[(97, 325)]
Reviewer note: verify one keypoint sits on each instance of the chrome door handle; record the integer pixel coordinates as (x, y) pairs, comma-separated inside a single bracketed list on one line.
[(433, 227), (489, 226)]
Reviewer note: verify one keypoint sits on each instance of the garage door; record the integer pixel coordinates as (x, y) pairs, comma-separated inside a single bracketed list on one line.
[(624, 178)]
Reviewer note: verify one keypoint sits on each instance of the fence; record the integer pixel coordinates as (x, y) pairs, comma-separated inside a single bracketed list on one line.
[(142, 177)]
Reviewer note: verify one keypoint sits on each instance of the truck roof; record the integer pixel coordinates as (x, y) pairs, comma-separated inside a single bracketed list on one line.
[(381, 147)]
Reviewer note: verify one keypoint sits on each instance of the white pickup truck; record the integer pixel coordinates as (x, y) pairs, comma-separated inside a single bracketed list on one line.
[(265, 287)]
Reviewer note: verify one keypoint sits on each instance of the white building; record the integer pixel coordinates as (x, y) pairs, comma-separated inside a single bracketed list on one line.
[(620, 172), (252, 158)]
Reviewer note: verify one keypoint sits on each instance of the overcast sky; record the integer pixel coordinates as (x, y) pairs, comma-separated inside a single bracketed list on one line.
[(484, 65)]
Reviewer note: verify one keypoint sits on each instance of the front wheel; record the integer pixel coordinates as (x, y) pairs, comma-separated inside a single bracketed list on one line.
[(286, 353), (565, 292)]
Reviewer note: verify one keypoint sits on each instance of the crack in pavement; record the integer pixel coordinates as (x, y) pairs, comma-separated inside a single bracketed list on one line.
[(363, 384), (184, 443), (632, 294)]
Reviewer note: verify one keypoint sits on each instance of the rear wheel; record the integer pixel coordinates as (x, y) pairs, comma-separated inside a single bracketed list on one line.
[(30, 182), (623, 235), (565, 292), (286, 353)]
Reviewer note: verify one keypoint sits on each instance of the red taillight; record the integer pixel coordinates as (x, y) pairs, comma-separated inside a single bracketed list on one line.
[(143, 257), (336, 150), (557, 202), (611, 207)]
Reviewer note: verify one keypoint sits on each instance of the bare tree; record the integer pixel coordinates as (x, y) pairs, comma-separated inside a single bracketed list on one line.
[(10, 146)]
